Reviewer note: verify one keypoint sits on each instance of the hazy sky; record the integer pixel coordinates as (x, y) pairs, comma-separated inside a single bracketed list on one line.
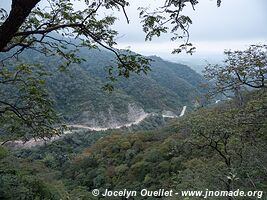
[(235, 25)]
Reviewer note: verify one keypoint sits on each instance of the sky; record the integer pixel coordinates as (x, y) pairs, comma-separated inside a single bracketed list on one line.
[(235, 25)]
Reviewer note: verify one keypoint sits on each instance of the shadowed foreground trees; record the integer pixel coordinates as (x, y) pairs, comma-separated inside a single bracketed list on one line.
[(241, 70), (29, 18), (222, 148), (35, 25)]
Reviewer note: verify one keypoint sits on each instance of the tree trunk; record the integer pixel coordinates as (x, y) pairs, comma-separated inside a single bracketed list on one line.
[(20, 10), (229, 188), (238, 97), (229, 184)]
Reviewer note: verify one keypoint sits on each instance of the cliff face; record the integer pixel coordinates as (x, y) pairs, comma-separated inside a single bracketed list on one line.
[(111, 118)]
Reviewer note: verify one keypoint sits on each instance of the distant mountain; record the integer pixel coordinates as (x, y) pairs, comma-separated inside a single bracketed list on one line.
[(199, 62), (80, 98)]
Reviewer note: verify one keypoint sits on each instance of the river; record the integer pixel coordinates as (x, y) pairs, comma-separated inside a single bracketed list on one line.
[(39, 142)]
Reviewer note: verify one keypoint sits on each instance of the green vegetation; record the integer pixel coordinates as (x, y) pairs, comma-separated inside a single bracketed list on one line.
[(47, 80), (168, 86), (21, 179), (219, 148), (77, 94), (241, 70), (35, 25)]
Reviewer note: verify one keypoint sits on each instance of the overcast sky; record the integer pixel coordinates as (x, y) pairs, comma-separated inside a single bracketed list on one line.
[(235, 25)]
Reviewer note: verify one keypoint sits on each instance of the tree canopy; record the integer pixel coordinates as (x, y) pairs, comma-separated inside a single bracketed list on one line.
[(242, 69), (56, 28), (30, 22)]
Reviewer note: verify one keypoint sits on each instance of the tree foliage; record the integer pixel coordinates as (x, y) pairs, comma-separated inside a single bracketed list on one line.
[(241, 69), (216, 148), (207, 149), (36, 26), (29, 19)]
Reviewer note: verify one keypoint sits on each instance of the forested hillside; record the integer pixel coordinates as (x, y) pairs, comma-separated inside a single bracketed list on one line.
[(211, 148), (80, 99), (206, 149), (87, 114)]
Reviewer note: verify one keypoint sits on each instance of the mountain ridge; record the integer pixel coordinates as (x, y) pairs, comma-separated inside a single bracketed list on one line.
[(167, 87), (80, 99)]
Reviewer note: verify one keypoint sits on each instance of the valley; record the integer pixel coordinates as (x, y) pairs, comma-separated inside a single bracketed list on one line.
[(133, 100), (74, 128), (153, 131)]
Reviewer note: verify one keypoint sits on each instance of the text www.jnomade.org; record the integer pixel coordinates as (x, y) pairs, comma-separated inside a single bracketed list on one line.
[(169, 193)]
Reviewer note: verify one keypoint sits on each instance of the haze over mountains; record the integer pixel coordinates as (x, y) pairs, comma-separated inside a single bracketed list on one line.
[(167, 91), (81, 100)]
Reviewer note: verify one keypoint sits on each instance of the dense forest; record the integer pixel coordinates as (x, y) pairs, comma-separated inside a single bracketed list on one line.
[(78, 96), (205, 149), (82, 118)]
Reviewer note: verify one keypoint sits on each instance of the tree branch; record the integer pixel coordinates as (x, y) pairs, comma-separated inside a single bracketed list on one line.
[(20, 10)]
